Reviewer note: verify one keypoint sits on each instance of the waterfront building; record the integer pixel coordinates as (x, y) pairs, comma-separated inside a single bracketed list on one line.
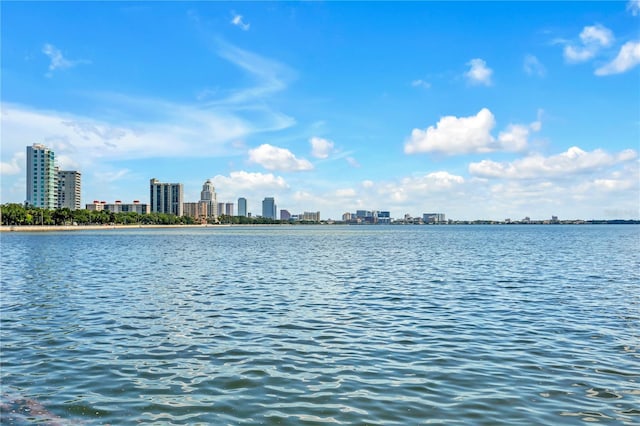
[(242, 206), (384, 218), (433, 218), (42, 177), (310, 217), (285, 215), (198, 210), (119, 207), (69, 189), (166, 197), (208, 196), (348, 217), (220, 208), (228, 209), (269, 209)]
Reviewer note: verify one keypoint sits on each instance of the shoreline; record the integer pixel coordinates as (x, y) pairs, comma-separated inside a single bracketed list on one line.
[(54, 228)]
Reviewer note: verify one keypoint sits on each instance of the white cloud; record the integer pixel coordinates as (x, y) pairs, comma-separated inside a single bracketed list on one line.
[(515, 137), (592, 38), (628, 58), (15, 166), (463, 135), (270, 76), (58, 61), (367, 183), (240, 181), (320, 148), (573, 161), (179, 131), (633, 6), (478, 72), (352, 162), (238, 22), (532, 66), (421, 83), (273, 158)]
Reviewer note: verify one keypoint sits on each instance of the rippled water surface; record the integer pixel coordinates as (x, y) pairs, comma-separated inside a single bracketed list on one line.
[(321, 324)]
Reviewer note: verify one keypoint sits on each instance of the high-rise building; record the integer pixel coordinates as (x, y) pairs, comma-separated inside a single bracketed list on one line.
[(310, 216), (42, 177), (285, 214), (269, 208), (208, 195), (166, 197), (69, 190), (228, 209), (242, 206), (198, 210)]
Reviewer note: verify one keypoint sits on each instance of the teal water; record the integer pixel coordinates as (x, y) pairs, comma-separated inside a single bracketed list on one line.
[(322, 325)]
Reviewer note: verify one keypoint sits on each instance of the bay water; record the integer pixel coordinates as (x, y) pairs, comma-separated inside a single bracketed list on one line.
[(356, 325)]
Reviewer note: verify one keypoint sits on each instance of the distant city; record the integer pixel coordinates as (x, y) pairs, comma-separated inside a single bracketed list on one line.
[(50, 188)]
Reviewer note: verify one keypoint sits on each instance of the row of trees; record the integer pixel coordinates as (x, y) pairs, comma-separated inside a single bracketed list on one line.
[(17, 214)]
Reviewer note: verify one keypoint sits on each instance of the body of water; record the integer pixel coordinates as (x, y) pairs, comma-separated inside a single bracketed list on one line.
[(376, 325)]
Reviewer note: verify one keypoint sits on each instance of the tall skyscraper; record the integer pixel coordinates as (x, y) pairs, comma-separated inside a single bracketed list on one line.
[(166, 197), (269, 208), (42, 176), (242, 206), (208, 195), (69, 189), (228, 209)]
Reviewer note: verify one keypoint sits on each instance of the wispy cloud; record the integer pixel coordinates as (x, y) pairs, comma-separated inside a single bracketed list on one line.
[(628, 57), (238, 22), (479, 72), (533, 66), (592, 39), (421, 83), (58, 61), (633, 6)]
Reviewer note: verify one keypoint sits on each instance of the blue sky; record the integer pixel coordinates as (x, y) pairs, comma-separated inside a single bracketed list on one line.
[(486, 110)]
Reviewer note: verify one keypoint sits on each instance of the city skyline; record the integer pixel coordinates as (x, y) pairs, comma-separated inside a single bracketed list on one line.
[(482, 110)]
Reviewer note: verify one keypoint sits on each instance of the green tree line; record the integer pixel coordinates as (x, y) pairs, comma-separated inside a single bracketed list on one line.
[(17, 214)]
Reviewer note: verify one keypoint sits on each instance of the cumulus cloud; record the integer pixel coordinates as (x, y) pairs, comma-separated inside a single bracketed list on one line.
[(273, 158), (463, 135), (57, 60), (628, 57), (573, 161), (238, 22), (478, 72), (240, 181), (321, 148), (633, 6), (346, 192), (532, 66), (592, 39)]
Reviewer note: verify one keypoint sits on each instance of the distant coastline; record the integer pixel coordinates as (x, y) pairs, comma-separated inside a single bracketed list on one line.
[(59, 228)]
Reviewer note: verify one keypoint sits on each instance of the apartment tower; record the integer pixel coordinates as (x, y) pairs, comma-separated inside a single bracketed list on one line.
[(166, 197), (42, 176), (69, 189)]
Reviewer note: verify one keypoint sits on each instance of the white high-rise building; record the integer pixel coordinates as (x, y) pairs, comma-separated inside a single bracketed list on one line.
[(208, 195), (69, 189), (42, 177), (166, 197)]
